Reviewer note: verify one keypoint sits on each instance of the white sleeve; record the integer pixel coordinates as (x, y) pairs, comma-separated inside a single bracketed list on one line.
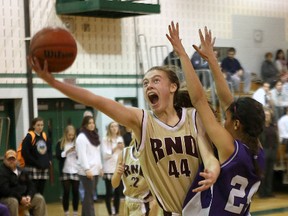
[(81, 146), (278, 65), (106, 151), (63, 154), (99, 156)]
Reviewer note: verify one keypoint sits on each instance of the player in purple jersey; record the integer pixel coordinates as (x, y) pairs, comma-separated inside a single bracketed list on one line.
[(240, 153)]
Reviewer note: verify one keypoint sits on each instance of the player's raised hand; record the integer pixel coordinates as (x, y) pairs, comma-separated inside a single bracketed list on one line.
[(174, 39), (207, 43), (120, 168)]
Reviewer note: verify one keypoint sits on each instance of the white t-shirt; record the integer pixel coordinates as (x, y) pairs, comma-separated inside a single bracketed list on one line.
[(259, 95), (89, 156), (283, 127), (70, 164), (110, 158)]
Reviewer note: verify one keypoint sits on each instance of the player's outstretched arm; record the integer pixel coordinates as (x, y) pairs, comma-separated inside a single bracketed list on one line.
[(116, 178), (128, 116), (199, 101), (207, 53), (211, 163), (197, 95), (219, 136)]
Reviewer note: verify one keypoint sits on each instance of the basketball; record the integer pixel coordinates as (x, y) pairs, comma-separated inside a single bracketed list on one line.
[(56, 45)]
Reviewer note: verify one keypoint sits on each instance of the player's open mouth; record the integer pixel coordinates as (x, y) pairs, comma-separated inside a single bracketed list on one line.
[(153, 98)]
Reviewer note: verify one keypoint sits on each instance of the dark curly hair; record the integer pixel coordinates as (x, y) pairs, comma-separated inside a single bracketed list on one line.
[(251, 115)]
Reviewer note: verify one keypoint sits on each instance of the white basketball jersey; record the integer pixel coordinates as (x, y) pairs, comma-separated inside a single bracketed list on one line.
[(135, 185), (169, 157)]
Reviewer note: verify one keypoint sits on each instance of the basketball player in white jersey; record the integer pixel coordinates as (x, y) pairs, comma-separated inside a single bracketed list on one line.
[(138, 198), (172, 143), (240, 153)]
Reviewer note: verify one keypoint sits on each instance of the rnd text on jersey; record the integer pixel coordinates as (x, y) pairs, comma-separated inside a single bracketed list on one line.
[(169, 146), (180, 145)]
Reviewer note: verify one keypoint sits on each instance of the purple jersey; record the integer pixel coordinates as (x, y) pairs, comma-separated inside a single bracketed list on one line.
[(235, 186)]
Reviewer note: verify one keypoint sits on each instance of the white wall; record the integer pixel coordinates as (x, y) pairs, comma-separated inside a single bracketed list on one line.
[(109, 46), (254, 36)]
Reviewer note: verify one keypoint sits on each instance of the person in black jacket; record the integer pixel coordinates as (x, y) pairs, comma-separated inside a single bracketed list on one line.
[(17, 191), (37, 155), (234, 71)]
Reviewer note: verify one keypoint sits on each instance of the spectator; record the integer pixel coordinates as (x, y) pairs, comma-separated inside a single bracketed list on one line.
[(81, 189), (279, 99), (263, 95), (269, 140), (38, 156), (89, 160), (283, 134), (269, 72), (112, 145), (86, 113), (17, 191), (235, 72), (67, 156), (281, 65), (198, 62), (172, 59)]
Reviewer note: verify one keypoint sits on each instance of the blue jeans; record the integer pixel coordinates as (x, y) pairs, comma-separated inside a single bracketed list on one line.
[(88, 202), (81, 192)]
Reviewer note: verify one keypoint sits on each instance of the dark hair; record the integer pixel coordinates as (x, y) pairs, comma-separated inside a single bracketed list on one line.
[(265, 82), (182, 99), (85, 121), (251, 115), (278, 81), (231, 49), (92, 136), (278, 52), (33, 122)]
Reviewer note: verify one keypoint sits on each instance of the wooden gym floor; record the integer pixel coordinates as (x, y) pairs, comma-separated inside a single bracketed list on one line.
[(276, 206)]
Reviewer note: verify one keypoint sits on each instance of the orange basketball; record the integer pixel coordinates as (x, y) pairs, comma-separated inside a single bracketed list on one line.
[(56, 45)]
